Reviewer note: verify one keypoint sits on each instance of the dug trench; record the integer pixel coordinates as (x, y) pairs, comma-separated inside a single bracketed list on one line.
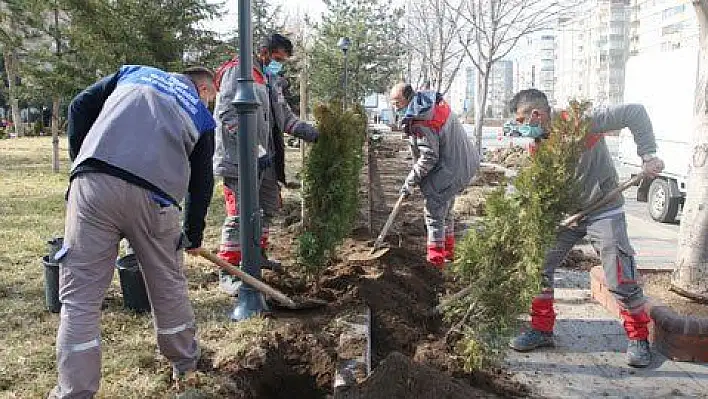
[(410, 356)]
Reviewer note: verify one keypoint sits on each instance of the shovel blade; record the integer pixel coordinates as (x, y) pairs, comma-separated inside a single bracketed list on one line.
[(301, 304), (368, 256)]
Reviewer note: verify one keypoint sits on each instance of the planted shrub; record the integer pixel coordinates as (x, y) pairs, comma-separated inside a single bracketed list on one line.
[(331, 184), (502, 258)]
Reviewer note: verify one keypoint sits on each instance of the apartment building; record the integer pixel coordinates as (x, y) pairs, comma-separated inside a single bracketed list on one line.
[(534, 66), (501, 89), (662, 25), (592, 49)]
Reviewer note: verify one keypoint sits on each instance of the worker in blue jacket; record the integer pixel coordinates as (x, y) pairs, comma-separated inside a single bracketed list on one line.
[(141, 141)]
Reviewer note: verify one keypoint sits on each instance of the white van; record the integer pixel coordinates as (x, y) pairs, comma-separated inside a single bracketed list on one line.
[(665, 83)]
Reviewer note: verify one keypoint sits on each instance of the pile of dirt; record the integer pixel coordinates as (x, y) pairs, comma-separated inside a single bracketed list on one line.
[(472, 201), (399, 377), (488, 177), (511, 157), (579, 260)]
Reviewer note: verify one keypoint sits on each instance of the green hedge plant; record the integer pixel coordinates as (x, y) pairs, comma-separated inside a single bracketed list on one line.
[(501, 258), (331, 184)]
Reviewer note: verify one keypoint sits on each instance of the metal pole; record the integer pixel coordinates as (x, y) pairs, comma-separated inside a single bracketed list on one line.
[(346, 76), (250, 301)]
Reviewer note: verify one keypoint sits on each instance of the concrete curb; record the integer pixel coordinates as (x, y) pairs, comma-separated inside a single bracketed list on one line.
[(354, 350), (679, 338)]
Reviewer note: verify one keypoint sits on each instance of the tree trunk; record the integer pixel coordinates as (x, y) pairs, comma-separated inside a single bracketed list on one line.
[(9, 58), (56, 99), (481, 100), (303, 144), (691, 276), (55, 134)]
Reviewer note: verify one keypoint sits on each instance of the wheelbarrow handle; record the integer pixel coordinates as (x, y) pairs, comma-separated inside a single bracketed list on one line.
[(248, 279)]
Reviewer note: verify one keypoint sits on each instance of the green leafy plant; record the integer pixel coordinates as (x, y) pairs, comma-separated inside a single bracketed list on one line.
[(331, 184), (501, 259)]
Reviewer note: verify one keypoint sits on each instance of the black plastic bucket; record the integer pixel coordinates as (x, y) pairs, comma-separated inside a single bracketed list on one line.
[(51, 285), (132, 284)]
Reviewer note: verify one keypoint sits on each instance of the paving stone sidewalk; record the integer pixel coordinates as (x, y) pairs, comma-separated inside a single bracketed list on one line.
[(588, 360)]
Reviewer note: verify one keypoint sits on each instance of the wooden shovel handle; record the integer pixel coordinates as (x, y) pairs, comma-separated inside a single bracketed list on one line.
[(569, 221), (248, 279)]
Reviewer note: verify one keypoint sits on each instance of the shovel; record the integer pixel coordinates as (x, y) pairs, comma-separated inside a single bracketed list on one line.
[(568, 222), (281, 299), (574, 219), (378, 251)]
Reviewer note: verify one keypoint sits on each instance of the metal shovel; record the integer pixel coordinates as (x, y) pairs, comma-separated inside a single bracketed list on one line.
[(378, 251), (282, 299)]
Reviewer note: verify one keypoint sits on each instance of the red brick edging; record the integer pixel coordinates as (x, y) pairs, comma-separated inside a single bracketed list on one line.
[(680, 338)]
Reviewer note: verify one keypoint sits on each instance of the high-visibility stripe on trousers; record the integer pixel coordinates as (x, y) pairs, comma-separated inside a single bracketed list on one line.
[(269, 201), (101, 210), (608, 234)]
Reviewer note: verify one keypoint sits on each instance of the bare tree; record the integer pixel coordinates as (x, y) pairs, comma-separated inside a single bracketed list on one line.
[(434, 53), (691, 276), (13, 16), (494, 27)]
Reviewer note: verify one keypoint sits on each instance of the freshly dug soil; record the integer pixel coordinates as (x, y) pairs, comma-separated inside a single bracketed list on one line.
[(398, 377), (578, 260), (656, 285), (410, 358), (513, 157)]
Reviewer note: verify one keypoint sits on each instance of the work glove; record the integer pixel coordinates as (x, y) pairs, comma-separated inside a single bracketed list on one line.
[(306, 132), (652, 165)]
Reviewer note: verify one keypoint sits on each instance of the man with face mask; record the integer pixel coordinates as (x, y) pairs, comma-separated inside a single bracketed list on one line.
[(141, 141), (273, 117), (606, 227), (445, 161)]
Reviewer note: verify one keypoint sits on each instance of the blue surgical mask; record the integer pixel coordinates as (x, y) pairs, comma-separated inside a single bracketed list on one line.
[(532, 130), (273, 68)]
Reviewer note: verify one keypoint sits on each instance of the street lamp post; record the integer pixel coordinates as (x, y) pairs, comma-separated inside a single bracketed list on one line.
[(344, 44), (250, 301)]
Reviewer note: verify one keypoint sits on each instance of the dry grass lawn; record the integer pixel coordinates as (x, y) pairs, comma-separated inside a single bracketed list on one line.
[(31, 212)]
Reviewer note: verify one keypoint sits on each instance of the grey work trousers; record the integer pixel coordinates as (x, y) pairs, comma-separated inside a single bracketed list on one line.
[(439, 219), (102, 209), (608, 234), (269, 202)]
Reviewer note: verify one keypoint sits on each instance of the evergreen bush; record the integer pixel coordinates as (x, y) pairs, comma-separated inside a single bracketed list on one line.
[(501, 259), (331, 184)]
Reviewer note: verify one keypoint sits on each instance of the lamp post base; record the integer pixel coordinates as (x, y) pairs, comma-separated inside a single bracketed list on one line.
[(250, 303)]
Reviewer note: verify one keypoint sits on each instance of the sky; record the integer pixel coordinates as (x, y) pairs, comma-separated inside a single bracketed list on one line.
[(229, 21)]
